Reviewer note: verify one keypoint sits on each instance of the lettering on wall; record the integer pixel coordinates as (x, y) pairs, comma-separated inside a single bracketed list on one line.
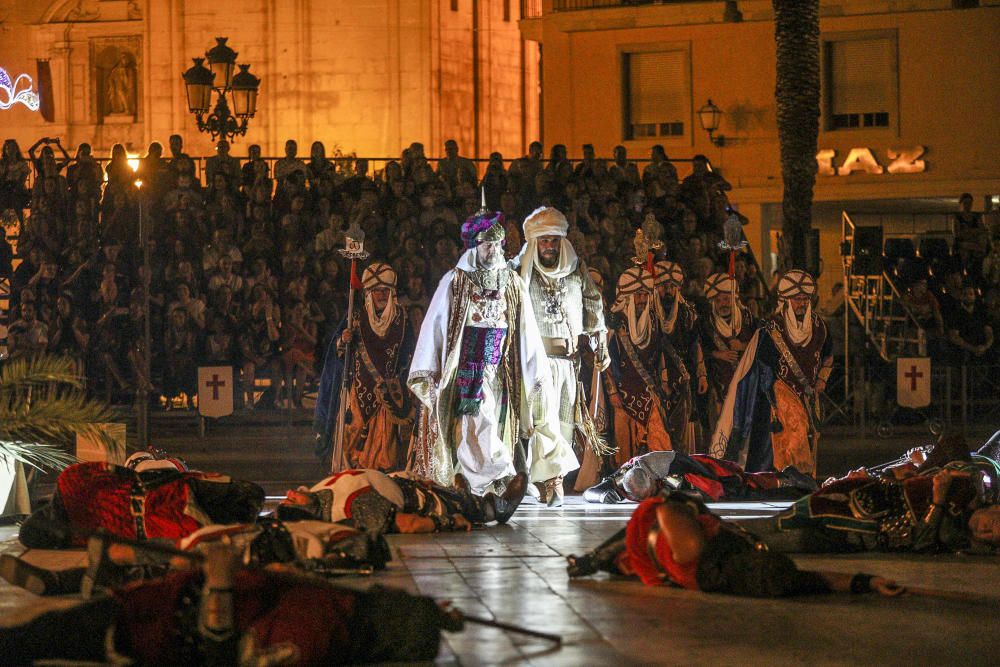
[(18, 91), (900, 161)]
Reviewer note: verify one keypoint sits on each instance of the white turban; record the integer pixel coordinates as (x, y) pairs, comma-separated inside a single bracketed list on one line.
[(375, 276), (634, 280), (796, 283), (723, 283), (668, 273), (546, 221)]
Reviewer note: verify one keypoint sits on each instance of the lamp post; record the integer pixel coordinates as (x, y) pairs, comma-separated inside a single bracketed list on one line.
[(143, 392), (709, 116), (241, 90)]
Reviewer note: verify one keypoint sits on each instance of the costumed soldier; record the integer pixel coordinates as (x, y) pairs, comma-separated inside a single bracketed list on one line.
[(567, 305), (724, 335), (379, 418), (481, 373), (681, 352), (636, 384), (768, 419)]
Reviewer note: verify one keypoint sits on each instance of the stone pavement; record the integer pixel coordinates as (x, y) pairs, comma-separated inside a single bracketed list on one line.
[(516, 573)]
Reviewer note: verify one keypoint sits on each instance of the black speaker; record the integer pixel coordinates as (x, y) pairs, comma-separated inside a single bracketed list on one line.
[(867, 251)]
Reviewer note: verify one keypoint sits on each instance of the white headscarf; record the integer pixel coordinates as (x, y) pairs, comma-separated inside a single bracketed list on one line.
[(640, 327), (794, 283), (670, 273), (722, 283), (546, 221), (379, 275)]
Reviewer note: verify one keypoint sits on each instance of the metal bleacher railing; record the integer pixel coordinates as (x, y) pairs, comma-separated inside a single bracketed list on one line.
[(878, 328)]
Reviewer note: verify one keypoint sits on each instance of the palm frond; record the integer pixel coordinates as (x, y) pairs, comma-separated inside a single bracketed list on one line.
[(20, 374), (42, 407), (37, 455)]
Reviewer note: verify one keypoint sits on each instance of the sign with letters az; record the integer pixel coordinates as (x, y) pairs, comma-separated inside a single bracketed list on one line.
[(901, 161)]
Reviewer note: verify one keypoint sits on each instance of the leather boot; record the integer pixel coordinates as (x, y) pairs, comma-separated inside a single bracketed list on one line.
[(601, 559), (501, 508)]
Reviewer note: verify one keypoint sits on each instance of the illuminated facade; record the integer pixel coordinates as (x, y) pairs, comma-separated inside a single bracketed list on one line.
[(368, 77), (911, 92)]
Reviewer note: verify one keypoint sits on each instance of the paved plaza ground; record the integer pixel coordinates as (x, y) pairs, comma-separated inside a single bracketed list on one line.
[(516, 573)]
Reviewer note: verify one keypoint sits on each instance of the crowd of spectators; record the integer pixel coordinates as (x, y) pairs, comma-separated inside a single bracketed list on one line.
[(243, 262)]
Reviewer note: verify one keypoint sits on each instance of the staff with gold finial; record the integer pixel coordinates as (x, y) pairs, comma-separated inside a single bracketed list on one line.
[(354, 249), (734, 241)]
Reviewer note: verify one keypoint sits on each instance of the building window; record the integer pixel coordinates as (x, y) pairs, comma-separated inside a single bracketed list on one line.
[(506, 10), (454, 5), (657, 94), (861, 82)]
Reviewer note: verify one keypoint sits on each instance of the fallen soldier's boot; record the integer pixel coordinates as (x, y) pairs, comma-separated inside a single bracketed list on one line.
[(606, 492), (501, 508), (38, 580)]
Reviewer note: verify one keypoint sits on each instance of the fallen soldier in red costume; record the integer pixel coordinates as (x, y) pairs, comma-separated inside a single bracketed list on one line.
[(166, 503), (712, 479), (225, 615), (675, 539)]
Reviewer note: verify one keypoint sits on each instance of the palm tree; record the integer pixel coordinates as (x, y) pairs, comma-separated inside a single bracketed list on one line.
[(797, 96), (42, 406)]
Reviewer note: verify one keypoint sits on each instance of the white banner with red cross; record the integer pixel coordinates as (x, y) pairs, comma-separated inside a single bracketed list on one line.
[(913, 382), (215, 391)]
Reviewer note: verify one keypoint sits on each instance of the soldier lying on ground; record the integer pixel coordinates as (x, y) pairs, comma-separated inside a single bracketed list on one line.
[(226, 615), (312, 546), (377, 503), (676, 539), (647, 475)]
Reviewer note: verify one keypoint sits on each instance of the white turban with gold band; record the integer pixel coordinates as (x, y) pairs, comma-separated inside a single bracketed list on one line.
[(379, 275), (668, 273), (716, 285), (635, 279), (796, 283), (546, 221)]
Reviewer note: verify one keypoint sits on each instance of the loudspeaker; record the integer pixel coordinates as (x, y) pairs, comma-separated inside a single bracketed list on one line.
[(867, 251)]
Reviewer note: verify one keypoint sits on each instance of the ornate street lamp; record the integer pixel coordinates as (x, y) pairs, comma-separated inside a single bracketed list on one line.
[(200, 81), (708, 116)]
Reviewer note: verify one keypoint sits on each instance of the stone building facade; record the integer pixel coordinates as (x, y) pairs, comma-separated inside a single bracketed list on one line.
[(365, 76), (927, 69)]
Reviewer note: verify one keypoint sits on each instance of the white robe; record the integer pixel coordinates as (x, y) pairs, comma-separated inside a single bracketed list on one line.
[(434, 366)]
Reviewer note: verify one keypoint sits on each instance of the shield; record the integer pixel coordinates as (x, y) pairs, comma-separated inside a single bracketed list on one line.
[(913, 382), (215, 391)]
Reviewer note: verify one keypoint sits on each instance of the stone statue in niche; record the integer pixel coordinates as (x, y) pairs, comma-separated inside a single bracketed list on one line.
[(119, 87)]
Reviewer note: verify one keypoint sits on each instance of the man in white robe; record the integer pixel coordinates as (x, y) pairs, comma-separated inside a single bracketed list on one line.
[(481, 372), (567, 305)]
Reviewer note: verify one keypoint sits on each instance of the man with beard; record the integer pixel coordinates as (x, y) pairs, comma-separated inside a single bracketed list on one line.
[(481, 373), (566, 305), (724, 335), (379, 417), (681, 352), (638, 380), (768, 418)]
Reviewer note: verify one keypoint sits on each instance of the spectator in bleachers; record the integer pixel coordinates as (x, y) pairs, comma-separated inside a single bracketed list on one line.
[(181, 354), (27, 336), (14, 171), (969, 331), (290, 164), (180, 162)]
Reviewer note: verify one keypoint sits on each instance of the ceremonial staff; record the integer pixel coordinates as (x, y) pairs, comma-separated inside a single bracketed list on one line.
[(734, 241), (354, 250)]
